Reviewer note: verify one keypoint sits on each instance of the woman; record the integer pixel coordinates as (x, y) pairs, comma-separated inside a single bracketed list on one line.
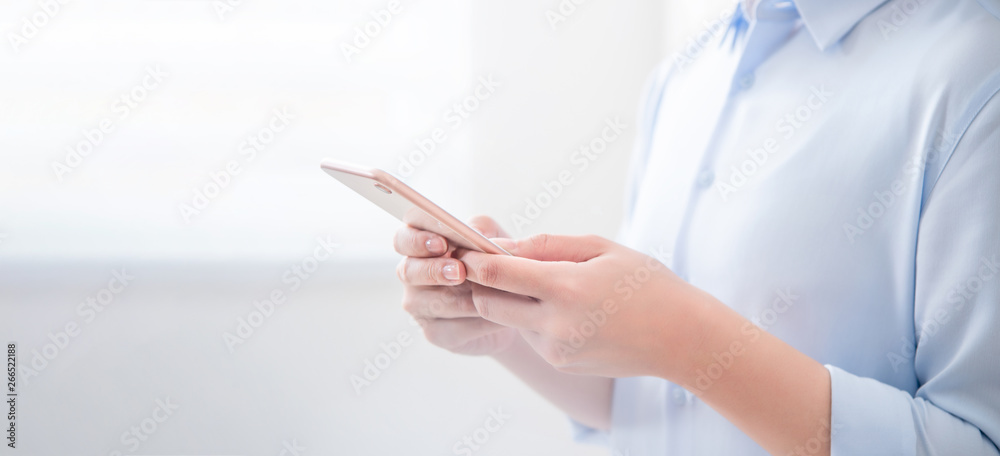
[(810, 258)]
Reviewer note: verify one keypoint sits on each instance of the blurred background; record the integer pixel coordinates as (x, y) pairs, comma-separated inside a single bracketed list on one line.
[(178, 275)]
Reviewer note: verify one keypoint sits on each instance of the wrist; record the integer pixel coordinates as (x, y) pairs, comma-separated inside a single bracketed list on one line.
[(714, 337)]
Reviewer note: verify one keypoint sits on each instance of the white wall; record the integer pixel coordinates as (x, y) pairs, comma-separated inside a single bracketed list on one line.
[(224, 77), (163, 335), (565, 79)]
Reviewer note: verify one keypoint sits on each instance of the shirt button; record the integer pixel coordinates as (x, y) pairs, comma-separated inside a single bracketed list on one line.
[(706, 178), (746, 81), (679, 397)]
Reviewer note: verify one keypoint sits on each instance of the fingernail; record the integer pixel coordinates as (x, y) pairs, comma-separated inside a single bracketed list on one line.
[(451, 272), (435, 245)]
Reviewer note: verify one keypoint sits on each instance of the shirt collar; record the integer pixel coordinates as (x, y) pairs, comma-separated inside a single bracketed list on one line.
[(828, 21)]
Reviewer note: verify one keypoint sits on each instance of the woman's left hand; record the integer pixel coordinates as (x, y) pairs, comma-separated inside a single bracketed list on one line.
[(590, 306)]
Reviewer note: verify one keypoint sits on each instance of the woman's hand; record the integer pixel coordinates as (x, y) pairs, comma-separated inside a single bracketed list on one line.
[(590, 306), (438, 297)]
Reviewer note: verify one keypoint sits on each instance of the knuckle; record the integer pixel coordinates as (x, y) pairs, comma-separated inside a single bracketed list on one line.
[(452, 295), (397, 240), (557, 330), (432, 271), (466, 306), (482, 305), (540, 241), (410, 305), (435, 308), (403, 240), (554, 354), (446, 302), (570, 287), (434, 335), (488, 272), (401, 269)]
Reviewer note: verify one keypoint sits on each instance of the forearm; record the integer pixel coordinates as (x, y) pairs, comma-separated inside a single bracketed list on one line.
[(586, 399), (775, 394)]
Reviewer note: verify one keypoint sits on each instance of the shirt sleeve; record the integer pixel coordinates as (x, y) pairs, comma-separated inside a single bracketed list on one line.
[(956, 408)]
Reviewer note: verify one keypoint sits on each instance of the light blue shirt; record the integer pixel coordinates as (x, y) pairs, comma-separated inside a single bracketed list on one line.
[(831, 170)]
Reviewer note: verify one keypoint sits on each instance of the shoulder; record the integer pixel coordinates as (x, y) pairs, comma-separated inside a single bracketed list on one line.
[(948, 47)]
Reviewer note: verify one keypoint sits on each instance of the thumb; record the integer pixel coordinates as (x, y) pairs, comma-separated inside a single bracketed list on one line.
[(550, 247)]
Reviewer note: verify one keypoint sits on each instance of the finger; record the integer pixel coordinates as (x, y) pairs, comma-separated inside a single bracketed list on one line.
[(430, 271), (487, 226), (489, 343), (508, 309), (412, 242), (454, 333), (439, 302), (516, 275), (549, 247)]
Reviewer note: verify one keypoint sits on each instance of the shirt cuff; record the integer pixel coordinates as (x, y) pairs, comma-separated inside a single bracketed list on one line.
[(587, 434), (869, 417)]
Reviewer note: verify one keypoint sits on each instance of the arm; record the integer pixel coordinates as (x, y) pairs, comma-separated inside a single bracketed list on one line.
[(772, 392), (601, 309), (956, 408), (586, 399)]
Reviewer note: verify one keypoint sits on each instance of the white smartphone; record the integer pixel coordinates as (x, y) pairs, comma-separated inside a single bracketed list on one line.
[(407, 205)]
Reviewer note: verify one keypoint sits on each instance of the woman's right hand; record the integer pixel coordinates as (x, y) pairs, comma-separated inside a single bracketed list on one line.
[(438, 297)]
